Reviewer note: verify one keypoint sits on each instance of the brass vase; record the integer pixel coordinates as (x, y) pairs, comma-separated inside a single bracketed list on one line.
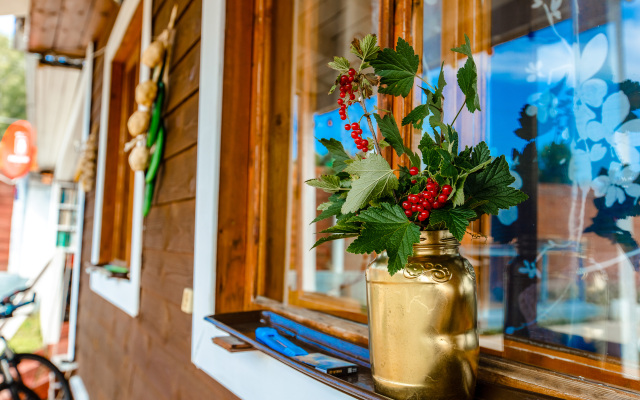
[(423, 337)]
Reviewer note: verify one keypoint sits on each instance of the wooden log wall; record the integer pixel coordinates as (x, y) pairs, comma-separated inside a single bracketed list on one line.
[(149, 357)]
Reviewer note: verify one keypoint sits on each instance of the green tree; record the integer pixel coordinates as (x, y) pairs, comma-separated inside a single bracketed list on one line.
[(13, 99)]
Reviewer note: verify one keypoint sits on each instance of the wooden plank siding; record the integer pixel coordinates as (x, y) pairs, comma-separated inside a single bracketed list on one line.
[(149, 357)]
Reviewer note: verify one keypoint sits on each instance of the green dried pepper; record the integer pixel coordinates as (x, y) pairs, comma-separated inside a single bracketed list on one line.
[(156, 157), (148, 197)]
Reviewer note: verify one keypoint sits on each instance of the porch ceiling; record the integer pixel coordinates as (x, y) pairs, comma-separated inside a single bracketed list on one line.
[(66, 26)]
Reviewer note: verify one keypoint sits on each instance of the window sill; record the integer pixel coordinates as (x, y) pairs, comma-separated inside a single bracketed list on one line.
[(497, 377), (122, 293)]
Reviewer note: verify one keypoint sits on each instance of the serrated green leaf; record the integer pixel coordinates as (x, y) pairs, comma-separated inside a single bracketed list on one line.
[(333, 237), (333, 88), (457, 196), (435, 120), (397, 69), (386, 228), (416, 116), (344, 227), (366, 48), (480, 154), (340, 156), (328, 183), (324, 206), (375, 179), (492, 185), (468, 77), (383, 143), (389, 129), (455, 220), (340, 64), (451, 140), (413, 157), (334, 206)]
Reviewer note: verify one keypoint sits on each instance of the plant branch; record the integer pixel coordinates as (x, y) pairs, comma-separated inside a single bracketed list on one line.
[(366, 114), (427, 83), (460, 110)]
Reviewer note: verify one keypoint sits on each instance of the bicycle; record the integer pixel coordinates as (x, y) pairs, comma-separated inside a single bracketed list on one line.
[(24, 375)]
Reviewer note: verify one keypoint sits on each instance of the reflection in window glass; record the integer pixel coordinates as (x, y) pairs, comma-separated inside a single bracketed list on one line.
[(561, 100), (324, 28)]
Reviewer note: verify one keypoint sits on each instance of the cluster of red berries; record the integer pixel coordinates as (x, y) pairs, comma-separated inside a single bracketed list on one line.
[(347, 97), (433, 197), (356, 134)]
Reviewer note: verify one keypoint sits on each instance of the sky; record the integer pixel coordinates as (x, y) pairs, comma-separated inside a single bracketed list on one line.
[(7, 23)]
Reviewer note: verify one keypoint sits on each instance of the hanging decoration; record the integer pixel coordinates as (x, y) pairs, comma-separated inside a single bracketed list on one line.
[(146, 125), (86, 170)]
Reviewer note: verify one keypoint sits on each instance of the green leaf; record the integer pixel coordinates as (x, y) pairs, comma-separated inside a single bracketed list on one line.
[(468, 77), (386, 228), (328, 183), (344, 227), (413, 157), (333, 237), (340, 64), (455, 220), (441, 84), (340, 156), (332, 208), (457, 197), (397, 69), (492, 185), (365, 48), (416, 116), (389, 129), (480, 154), (376, 179), (451, 140)]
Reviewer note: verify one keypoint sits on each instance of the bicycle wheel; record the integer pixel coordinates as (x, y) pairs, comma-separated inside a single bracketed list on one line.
[(33, 372), (17, 390)]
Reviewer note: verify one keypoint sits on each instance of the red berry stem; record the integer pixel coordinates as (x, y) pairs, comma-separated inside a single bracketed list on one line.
[(366, 114)]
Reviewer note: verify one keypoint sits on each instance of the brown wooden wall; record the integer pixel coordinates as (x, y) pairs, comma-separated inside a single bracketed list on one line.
[(149, 357)]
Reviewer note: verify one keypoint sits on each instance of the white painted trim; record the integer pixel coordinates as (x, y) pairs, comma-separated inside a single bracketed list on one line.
[(269, 378), (123, 294), (77, 260)]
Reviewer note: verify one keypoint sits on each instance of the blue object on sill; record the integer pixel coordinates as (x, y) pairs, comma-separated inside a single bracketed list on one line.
[(270, 337)]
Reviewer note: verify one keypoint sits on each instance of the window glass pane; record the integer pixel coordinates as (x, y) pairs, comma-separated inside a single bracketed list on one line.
[(323, 29), (560, 93)]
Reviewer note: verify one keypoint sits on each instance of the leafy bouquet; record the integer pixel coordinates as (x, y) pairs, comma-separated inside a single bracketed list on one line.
[(387, 209)]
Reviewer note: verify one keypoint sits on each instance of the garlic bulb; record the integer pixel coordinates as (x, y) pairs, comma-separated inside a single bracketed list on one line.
[(152, 56), (139, 158), (146, 92), (138, 122)]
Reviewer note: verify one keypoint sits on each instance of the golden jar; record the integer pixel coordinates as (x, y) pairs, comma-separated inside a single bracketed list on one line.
[(423, 337)]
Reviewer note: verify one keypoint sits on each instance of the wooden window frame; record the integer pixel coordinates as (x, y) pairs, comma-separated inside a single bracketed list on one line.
[(240, 243), (123, 293)]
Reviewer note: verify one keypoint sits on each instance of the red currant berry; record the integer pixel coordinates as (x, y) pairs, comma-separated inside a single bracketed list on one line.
[(421, 217), (355, 125), (414, 198), (430, 187), (446, 189), (365, 143), (354, 135), (352, 96), (350, 79), (426, 205), (342, 94), (414, 208), (347, 127), (352, 71), (406, 205), (413, 170), (442, 199), (358, 142), (408, 213), (425, 214), (347, 87), (419, 207), (344, 79), (436, 204), (340, 101), (429, 180), (414, 181), (343, 117)]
